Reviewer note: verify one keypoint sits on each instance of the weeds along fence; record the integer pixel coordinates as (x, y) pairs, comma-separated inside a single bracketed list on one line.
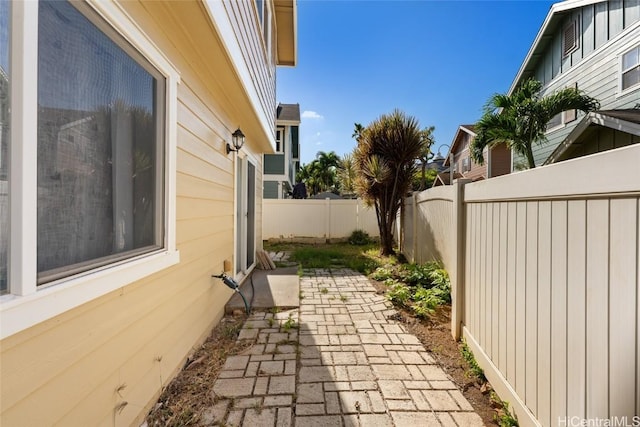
[(545, 274), (316, 220)]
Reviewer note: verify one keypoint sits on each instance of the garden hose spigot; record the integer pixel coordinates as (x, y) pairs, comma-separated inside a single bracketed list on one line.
[(233, 285)]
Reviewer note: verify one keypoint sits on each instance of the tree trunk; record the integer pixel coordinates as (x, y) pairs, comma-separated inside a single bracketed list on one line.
[(386, 232), (530, 159), (423, 182)]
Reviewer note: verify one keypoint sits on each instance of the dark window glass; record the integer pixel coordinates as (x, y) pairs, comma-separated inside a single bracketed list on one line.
[(4, 141), (99, 145)]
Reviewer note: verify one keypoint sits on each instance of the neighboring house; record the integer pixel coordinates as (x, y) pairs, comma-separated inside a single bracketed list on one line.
[(124, 197), (593, 45), (459, 164), (280, 169)]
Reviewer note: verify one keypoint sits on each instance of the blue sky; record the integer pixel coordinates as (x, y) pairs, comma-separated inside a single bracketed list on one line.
[(438, 61)]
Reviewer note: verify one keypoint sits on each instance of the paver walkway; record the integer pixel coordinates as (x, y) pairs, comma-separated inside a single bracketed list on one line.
[(345, 363)]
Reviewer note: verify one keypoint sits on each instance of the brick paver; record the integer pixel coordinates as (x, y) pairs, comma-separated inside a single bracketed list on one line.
[(341, 361)]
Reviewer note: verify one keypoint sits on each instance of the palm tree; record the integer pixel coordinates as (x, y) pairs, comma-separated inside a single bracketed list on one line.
[(320, 174), (385, 159), (520, 119), (357, 131), (327, 164)]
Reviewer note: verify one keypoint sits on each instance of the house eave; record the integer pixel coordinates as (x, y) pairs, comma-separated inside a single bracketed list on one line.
[(593, 118), (455, 142), (286, 32)]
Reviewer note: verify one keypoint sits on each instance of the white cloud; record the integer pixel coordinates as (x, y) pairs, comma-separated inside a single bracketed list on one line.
[(311, 115)]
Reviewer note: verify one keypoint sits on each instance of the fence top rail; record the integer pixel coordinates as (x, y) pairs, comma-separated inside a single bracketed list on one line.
[(445, 192), (613, 173)]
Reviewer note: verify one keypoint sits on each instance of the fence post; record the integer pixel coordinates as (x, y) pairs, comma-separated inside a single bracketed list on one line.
[(414, 227), (456, 274), (327, 220)]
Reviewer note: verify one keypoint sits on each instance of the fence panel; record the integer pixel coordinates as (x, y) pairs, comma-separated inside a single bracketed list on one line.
[(551, 287), (551, 276), (316, 219), (429, 226)]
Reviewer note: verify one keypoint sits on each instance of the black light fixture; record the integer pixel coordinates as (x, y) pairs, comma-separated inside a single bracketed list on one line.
[(237, 138), (439, 155)]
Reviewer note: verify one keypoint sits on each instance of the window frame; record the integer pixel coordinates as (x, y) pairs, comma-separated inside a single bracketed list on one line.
[(27, 304), (623, 71), (280, 142), (466, 164)]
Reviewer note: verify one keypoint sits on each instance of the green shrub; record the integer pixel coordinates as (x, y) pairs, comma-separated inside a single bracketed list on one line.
[(427, 300), (359, 238), (382, 273), (422, 274), (399, 293)]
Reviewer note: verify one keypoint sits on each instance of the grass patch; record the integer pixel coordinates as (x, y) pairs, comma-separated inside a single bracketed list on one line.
[(364, 259)]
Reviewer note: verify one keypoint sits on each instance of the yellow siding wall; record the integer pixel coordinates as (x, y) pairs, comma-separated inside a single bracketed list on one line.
[(104, 363)]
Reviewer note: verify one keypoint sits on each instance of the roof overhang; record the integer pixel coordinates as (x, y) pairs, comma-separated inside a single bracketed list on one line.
[(456, 140), (286, 32), (597, 118), (544, 37)]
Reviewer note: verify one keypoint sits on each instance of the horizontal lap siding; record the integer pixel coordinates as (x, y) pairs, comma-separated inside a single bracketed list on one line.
[(136, 339), (248, 33), (555, 285)]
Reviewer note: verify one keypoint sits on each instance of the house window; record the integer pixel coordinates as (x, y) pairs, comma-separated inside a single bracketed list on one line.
[(92, 160), (555, 122), (466, 164), (280, 140), (631, 68), (4, 141), (99, 146), (569, 38)]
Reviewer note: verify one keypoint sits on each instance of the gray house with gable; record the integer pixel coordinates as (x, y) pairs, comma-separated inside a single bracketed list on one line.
[(593, 45), (281, 167)]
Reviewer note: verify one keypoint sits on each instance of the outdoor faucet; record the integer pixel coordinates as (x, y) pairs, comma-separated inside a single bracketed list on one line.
[(233, 285)]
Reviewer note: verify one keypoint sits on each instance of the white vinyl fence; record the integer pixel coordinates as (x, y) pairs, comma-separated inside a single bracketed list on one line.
[(546, 276), (329, 219)]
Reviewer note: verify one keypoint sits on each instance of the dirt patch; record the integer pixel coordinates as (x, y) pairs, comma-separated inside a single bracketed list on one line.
[(435, 335), (189, 394)]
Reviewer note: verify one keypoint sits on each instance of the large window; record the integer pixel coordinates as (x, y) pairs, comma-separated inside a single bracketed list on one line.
[(91, 157), (99, 146), (4, 141), (631, 68)]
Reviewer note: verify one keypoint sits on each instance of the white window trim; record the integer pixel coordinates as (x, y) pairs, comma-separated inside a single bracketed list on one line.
[(27, 304), (623, 92)]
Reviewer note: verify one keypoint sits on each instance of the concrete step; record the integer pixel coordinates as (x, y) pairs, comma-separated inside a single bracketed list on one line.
[(279, 288)]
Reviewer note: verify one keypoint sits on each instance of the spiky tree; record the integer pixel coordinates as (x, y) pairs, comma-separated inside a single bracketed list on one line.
[(385, 158), (346, 174), (520, 119), (425, 153)]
